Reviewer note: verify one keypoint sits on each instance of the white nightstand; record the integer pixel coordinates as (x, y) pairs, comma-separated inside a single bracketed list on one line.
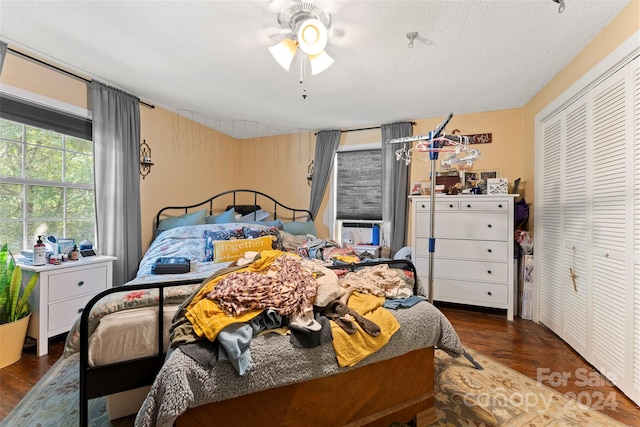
[(62, 292)]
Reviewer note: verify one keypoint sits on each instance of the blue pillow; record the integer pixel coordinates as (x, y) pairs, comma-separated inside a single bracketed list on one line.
[(194, 218), (211, 236), (275, 223), (254, 233), (297, 228), (223, 218)]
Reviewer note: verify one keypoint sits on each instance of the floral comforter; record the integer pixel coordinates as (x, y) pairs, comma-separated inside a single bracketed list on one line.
[(187, 242)]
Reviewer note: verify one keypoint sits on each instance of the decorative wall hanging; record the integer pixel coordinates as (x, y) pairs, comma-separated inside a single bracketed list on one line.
[(145, 159)]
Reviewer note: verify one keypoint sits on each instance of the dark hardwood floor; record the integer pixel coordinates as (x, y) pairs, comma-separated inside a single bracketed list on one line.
[(521, 345)]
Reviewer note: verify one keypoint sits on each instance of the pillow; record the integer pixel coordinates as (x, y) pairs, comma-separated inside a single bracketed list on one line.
[(292, 241), (232, 250), (194, 218), (296, 227), (275, 223), (253, 233), (210, 236), (224, 218), (258, 215)]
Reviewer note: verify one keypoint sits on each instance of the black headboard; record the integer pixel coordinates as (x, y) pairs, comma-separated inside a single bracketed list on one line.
[(244, 201)]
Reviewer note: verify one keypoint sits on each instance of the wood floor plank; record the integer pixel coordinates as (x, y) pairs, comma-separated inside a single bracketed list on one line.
[(521, 345)]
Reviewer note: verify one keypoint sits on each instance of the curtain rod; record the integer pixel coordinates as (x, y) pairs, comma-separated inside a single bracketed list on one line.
[(369, 128), (61, 70), (372, 127)]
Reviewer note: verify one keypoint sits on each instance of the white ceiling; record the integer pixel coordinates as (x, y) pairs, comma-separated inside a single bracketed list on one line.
[(208, 60)]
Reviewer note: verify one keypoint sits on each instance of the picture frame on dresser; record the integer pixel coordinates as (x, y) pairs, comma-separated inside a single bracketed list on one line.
[(467, 176), (489, 173)]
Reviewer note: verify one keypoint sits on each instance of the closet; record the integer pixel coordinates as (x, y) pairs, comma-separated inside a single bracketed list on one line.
[(587, 218)]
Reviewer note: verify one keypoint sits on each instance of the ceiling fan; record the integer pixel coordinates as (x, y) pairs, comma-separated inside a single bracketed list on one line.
[(303, 25)]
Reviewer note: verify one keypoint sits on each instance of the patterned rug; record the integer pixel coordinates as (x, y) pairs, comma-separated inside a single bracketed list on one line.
[(467, 397)]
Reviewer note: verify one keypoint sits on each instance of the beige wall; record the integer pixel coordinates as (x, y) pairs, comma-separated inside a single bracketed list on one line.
[(619, 29), (278, 165), (193, 162)]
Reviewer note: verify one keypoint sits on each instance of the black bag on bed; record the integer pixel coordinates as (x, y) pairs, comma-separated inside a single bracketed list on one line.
[(171, 265)]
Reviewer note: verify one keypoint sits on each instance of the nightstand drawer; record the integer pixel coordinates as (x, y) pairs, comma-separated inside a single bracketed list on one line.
[(63, 314), (69, 284)]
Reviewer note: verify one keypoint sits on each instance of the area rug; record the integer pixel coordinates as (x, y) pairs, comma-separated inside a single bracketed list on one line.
[(466, 397)]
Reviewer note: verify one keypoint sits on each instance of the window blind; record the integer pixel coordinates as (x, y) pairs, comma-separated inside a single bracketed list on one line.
[(23, 111), (359, 185)]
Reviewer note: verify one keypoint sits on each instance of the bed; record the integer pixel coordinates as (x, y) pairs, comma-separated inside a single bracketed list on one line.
[(286, 382)]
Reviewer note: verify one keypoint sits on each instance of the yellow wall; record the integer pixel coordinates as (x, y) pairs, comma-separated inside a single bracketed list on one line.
[(619, 29), (191, 162)]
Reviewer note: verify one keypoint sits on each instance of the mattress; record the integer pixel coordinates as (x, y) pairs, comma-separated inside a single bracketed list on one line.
[(128, 334)]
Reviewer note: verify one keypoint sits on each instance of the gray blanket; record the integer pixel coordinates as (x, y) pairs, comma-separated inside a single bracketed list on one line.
[(183, 383)]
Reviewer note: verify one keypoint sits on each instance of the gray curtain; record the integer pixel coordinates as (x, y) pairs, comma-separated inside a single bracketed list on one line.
[(326, 147), (3, 53), (116, 140), (395, 185)]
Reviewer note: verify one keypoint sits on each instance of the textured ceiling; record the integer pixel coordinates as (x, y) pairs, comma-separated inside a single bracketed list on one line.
[(208, 60)]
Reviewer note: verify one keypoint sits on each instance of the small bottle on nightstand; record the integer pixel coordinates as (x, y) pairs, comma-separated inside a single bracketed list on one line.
[(74, 255)]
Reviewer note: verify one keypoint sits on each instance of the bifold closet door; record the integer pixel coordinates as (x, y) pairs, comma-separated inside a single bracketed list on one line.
[(636, 247), (575, 206), (612, 215), (588, 226), (549, 225)]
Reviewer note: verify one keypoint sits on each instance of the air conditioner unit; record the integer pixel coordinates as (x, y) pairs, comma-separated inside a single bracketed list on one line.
[(358, 232)]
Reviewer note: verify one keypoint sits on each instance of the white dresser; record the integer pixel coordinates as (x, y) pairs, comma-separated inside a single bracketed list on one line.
[(62, 292), (473, 256)]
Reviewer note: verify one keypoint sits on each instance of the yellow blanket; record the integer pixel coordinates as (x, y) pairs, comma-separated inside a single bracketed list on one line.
[(351, 349), (207, 317)]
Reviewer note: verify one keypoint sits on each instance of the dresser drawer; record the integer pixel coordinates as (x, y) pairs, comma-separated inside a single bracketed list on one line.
[(481, 250), (63, 314), (497, 272), (486, 294), (441, 205), (465, 225), (484, 205), (69, 284)]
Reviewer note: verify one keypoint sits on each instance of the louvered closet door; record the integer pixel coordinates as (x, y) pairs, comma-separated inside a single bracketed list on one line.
[(549, 225), (636, 246), (611, 225), (574, 283)]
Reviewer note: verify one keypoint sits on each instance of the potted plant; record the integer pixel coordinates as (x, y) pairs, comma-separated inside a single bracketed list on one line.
[(15, 310)]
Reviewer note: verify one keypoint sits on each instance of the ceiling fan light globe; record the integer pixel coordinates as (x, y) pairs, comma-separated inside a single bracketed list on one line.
[(284, 52), (320, 62), (312, 37)]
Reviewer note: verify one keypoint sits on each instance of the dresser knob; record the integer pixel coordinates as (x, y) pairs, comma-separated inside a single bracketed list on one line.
[(500, 206), (489, 250), (422, 206), (489, 225), (450, 206), (81, 282), (489, 293), (469, 206), (489, 271)]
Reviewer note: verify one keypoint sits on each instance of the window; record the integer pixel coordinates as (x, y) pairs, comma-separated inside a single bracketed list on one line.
[(359, 184), (46, 175)]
